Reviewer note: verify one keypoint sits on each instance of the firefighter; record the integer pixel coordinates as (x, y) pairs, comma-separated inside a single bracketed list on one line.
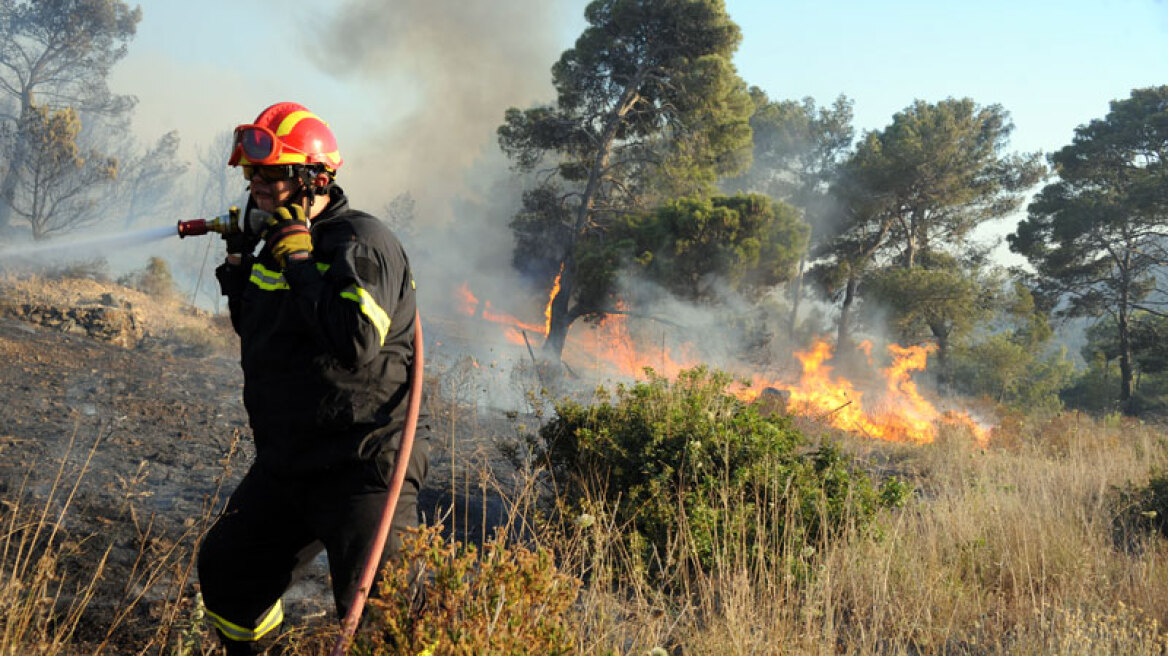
[(325, 314)]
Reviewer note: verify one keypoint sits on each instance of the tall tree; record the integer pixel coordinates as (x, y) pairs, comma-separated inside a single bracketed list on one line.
[(798, 149), (1096, 236), (56, 176), (648, 97), (57, 54), (923, 184)]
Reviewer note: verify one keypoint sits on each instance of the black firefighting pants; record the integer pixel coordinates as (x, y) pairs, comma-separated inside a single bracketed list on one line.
[(274, 526)]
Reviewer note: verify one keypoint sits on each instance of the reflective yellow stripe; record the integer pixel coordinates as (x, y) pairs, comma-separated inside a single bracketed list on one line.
[(290, 121), (266, 279), (370, 309), (269, 280), (238, 633)]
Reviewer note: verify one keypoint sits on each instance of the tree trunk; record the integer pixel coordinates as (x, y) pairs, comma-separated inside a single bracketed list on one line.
[(843, 335), (553, 346), (19, 153), (1125, 360), (944, 374), (796, 296), (560, 319)]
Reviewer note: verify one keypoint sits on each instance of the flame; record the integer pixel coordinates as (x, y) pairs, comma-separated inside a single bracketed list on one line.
[(547, 313), (467, 301), (898, 413), (469, 304), (612, 348)]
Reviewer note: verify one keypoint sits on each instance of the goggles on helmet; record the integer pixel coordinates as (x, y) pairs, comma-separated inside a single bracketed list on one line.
[(258, 145)]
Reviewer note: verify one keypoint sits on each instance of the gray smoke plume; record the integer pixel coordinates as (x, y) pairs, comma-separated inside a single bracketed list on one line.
[(447, 71)]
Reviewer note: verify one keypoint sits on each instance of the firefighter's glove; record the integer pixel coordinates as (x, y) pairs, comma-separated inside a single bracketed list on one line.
[(287, 235), (241, 243)]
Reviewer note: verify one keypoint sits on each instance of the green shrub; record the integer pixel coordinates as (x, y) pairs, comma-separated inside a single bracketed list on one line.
[(442, 597), (156, 280), (1140, 512), (688, 464)]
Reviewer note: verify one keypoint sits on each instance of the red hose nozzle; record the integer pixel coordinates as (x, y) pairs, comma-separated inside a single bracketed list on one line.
[(227, 224), (192, 228)]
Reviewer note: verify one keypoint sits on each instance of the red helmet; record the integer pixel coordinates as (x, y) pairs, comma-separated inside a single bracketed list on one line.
[(285, 133)]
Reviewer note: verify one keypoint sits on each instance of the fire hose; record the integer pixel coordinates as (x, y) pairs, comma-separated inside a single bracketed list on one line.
[(229, 224), (356, 607)]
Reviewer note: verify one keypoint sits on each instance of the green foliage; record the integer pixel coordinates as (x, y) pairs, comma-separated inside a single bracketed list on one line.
[(648, 106), (924, 302), (1149, 342), (689, 464), (696, 247), (1140, 511), (543, 230), (917, 189), (1096, 390), (938, 171), (1010, 358), (442, 597), (1000, 368), (1095, 235), (797, 149)]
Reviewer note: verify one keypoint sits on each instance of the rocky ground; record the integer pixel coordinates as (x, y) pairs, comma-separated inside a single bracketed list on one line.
[(137, 401)]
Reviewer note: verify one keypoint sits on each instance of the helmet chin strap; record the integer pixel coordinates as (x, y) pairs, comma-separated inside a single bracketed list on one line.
[(308, 191)]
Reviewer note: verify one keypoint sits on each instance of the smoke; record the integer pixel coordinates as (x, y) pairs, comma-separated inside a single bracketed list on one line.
[(447, 71)]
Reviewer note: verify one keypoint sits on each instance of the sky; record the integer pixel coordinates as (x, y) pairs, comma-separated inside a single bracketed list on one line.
[(414, 89)]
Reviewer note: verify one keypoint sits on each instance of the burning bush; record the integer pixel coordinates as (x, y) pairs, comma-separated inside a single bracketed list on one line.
[(693, 474)]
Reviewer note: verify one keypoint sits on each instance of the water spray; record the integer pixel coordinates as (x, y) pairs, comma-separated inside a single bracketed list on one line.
[(89, 245), (228, 224)]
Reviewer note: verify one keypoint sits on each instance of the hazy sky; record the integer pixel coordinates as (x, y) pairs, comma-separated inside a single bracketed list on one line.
[(415, 88)]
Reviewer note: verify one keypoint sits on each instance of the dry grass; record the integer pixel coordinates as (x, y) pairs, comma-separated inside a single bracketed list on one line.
[(51, 581), (1004, 551)]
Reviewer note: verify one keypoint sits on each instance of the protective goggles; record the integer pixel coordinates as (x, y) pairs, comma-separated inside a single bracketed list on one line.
[(271, 172), (259, 145)]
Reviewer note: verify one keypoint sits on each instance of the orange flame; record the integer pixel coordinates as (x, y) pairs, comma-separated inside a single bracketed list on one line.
[(547, 313), (469, 305), (612, 348), (899, 413)]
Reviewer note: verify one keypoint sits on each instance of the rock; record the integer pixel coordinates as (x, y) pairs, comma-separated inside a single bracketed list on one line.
[(772, 401), (109, 324)]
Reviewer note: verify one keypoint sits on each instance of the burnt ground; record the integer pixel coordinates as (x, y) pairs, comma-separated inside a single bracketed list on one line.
[(152, 432)]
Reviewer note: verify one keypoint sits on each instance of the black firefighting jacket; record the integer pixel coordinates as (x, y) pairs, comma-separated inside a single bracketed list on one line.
[(326, 343)]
